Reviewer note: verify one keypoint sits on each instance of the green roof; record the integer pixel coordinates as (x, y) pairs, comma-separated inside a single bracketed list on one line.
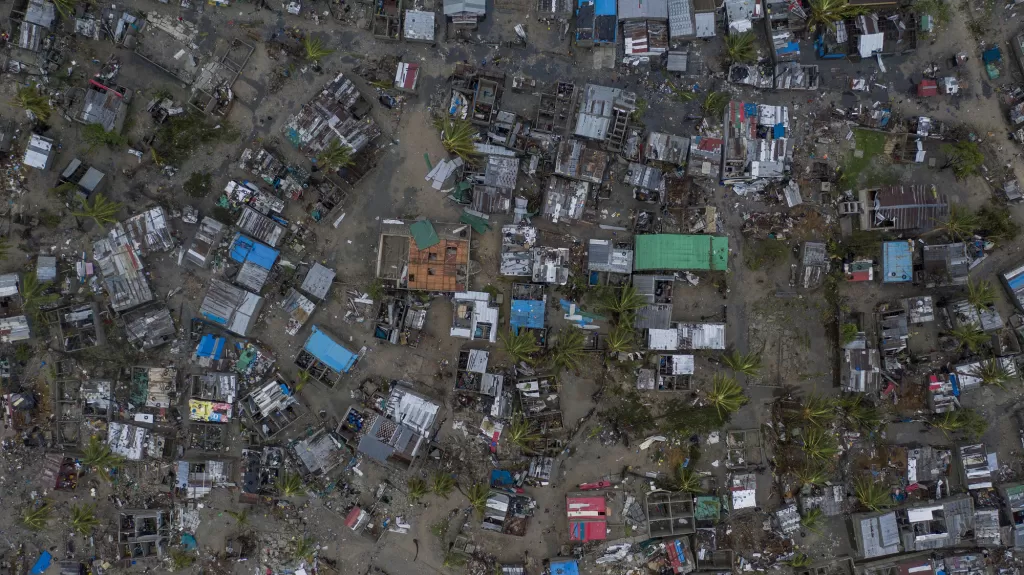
[(707, 508), (679, 252), (424, 234)]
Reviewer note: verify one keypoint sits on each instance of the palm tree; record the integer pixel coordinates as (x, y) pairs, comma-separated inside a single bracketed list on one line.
[(811, 474), (817, 410), (304, 548), (35, 517), (873, 495), (993, 372), (969, 336), (97, 455), (477, 495), (960, 224), (812, 519), (33, 295), (726, 396), (826, 13), (35, 104), (301, 379), (622, 339), (521, 432), (458, 137), (520, 347), (568, 350), (740, 48), (315, 48), (241, 517), (714, 104), (99, 209), (746, 363), (965, 421), (83, 519), (981, 294), (335, 156), (65, 7), (442, 483), (820, 445), (417, 489), (860, 413), (622, 301), (684, 480), (181, 559), (290, 485)]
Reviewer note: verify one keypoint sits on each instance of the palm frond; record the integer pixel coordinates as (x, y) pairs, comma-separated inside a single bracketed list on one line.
[(812, 519), (521, 432), (969, 336), (442, 483), (817, 410), (315, 48), (304, 549), (477, 495), (622, 301), (993, 372), (622, 339), (36, 516), (520, 347), (100, 209), (290, 485), (872, 494), (748, 364), (335, 156), (726, 396), (35, 104), (458, 137), (819, 445), (811, 474), (567, 352), (860, 413), (83, 519), (417, 489), (684, 479), (741, 48)]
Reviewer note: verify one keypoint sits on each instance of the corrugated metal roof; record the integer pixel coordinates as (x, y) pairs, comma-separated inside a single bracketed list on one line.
[(252, 276), (329, 352), (245, 249), (456, 7), (260, 226), (680, 19), (149, 327), (419, 25), (230, 307), (701, 335), (705, 23), (203, 243), (39, 152), (654, 316), (14, 329), (897, 262), (46, 268), (643, 9), (318, 281)]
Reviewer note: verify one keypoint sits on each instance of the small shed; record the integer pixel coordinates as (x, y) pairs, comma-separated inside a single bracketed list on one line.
[(318, 281), (927, 88), (419, 26), (39, 152), (897, 262)]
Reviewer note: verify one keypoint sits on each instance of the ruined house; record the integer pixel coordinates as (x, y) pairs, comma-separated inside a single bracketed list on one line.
[(338, 113)]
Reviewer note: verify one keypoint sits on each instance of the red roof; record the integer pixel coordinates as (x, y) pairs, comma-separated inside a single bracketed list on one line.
[(585, 505), (927, 88), (588, 531), (587, 518), (710, 144), (353, 517), (406, 76)]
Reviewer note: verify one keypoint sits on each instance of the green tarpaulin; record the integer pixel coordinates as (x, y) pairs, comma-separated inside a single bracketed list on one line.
[(424, 234)]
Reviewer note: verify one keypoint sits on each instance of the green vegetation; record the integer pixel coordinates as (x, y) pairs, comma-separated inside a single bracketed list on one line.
[(98, 456), (684, 419), (714, 103), (820, 445), (993, 372), (458, 137), (996, 223), (568, 350), (812, 519), (290, 485), (964, 157), (335, 156), (966, 421), (477, 495), (799, 560), (817, 411), (99, 209), (937, 9), (184, 134), (417, 489), (304, 549), (66, 8), (622, 339), (870, 142), (873, 495), (29, 99), (301, 379), (181, 559), (741, 48), (36, 516), (521, 432), (811, 474), (970, 337), (622, 303), (748, 364), (825, 13), (681, 95), (726, 396), (315, 48), (442, 483), (629, 413), (376, 290), (759, 254), (83, 519), (241, 517), (521, 347), (858, 244), (198, 184), (95, 135), (980, 294), (847, 333), (960, 223), (684, 479), (860, 414)]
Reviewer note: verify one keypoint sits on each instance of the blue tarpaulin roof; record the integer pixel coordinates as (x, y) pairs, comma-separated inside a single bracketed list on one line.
[(501, 478), (780, 131), (43, 563), (992, 55), (329, 352), (245, 249), (527, 313), (605, 7), (210, 346), (897, 262), (565, 567)]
